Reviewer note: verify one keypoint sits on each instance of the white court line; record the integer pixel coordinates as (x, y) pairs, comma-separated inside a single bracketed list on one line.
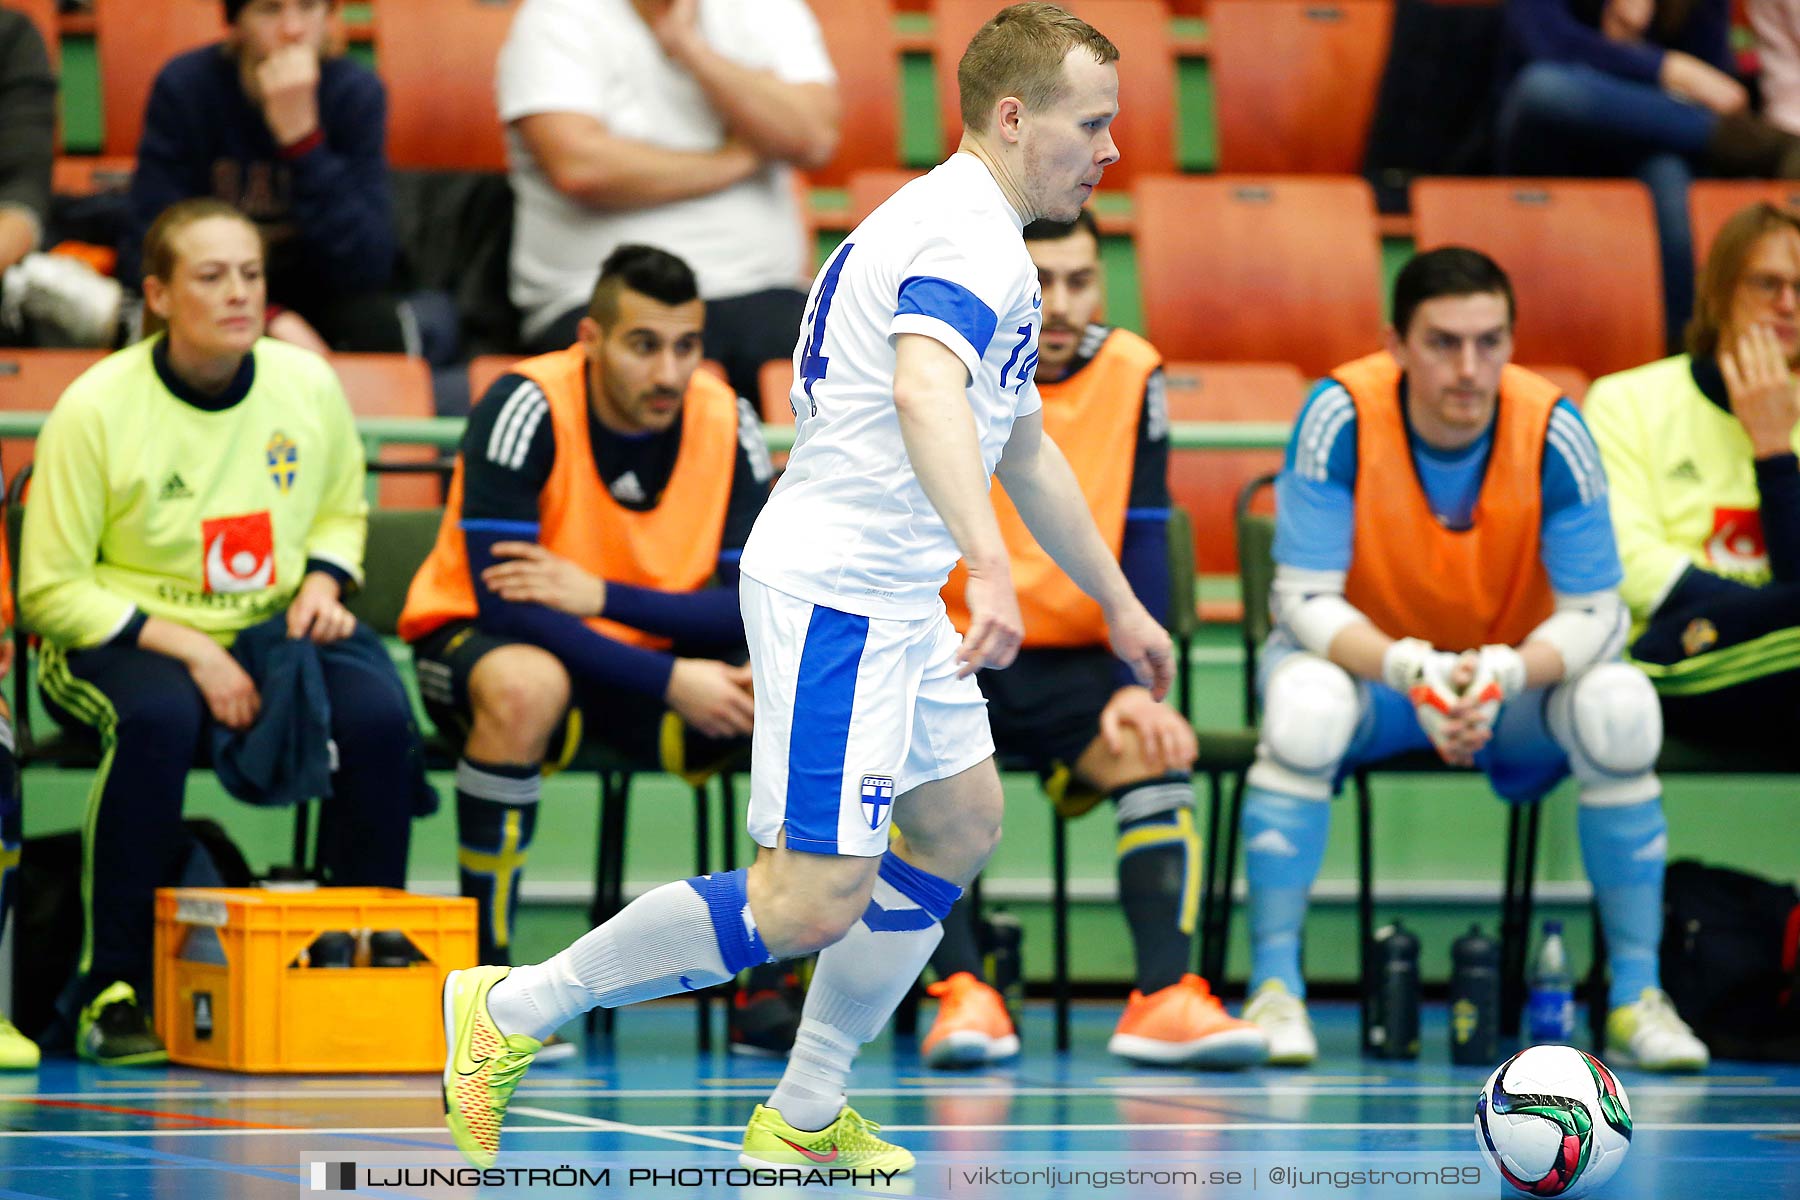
[(574, 1124), (650, 1131), (342, 1131), (1194, 1091), (1188, 1091)]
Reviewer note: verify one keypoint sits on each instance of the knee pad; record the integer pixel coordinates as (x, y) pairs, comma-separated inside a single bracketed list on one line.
[(1310, 709), (1609, 722)]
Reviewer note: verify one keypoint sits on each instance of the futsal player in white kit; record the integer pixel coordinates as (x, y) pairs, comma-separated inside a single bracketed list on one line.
[(874, 797)]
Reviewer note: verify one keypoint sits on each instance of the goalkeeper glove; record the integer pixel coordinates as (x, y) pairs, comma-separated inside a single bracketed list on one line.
[(1423, 675)]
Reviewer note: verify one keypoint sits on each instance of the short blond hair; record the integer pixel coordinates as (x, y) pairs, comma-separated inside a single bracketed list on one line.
[(1020, 53)]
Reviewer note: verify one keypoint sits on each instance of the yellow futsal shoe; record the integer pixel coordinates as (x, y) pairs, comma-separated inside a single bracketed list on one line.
[(1650, 1035), (848, 1142), (17, 1052), (482, 1066)]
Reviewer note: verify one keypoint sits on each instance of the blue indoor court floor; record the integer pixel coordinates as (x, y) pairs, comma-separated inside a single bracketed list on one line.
[(650, 1105)]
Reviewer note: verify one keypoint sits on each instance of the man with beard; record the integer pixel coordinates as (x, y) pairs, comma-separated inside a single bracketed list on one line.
[(1073, 710), (585, 576)]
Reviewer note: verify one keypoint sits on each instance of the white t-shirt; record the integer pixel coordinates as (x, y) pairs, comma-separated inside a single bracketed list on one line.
[(848, 526), (598, 58)]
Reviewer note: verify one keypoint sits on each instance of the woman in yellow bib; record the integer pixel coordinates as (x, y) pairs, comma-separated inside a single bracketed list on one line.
[(185, 489)]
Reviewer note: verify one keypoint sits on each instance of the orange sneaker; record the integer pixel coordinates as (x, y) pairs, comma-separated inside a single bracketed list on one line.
[(972, 1026), (1185, 1025)]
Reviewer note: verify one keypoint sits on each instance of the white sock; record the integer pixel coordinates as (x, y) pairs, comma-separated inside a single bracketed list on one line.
[(663, 942), (811, 1092), (856, 987)]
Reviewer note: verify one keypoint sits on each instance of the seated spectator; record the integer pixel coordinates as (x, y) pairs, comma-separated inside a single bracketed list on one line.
[(1635, 87), (272, 122), (1706, 496), (45, 299), (675, 123), (1073, 710), (585, 576), (1446, 579), (187, 489), (1777, 27)]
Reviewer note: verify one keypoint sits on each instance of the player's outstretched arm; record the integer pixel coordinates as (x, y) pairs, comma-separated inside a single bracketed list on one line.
[(945, 452), (1043, 488)]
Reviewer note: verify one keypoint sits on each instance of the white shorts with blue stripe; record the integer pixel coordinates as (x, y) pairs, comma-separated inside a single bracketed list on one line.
[(851, 714)]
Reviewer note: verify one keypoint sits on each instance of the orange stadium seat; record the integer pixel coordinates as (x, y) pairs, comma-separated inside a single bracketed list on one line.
[(1145, 130), (860, 39), (1140, 28), (774, 383), (1295, 82), (437, 59), (1572, 381), (393, 385), (89, 175), (133, 40), (1712, 202), (486, 368), (809, 223), (869, 189), (772, 386), (1581, 253), (1206, 483), (31, 381), (43, 15), (1284, 269)]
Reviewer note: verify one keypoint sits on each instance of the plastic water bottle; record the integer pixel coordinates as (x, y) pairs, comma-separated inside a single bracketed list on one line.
[(1474, 999), (1393, 994), (1550, 1011)]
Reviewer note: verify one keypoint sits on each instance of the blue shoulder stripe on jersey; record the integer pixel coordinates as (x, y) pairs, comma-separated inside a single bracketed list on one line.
[(953, 304)]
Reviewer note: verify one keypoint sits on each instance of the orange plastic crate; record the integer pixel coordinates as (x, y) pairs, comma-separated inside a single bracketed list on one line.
[(257, 1011)]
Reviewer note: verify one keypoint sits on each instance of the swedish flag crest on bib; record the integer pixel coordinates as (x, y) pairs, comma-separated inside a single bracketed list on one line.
[(283, 456)]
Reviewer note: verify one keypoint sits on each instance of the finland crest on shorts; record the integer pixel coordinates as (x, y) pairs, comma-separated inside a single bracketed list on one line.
[(877, 798)]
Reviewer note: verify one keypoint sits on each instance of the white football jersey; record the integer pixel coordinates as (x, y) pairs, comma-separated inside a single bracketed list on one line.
[(848, 526)]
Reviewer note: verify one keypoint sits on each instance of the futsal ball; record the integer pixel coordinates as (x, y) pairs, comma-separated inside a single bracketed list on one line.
[(1553, 1121)]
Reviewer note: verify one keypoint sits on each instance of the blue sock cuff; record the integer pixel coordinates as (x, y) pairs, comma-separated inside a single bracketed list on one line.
[(727, 902), (934, 895)]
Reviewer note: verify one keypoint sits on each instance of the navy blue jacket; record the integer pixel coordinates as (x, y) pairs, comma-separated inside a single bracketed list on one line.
[(328, 212), (285, 757), (1568, 31)]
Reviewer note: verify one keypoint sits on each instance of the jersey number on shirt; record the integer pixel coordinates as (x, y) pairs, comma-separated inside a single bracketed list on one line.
[(1025, 368), (813, 363)]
